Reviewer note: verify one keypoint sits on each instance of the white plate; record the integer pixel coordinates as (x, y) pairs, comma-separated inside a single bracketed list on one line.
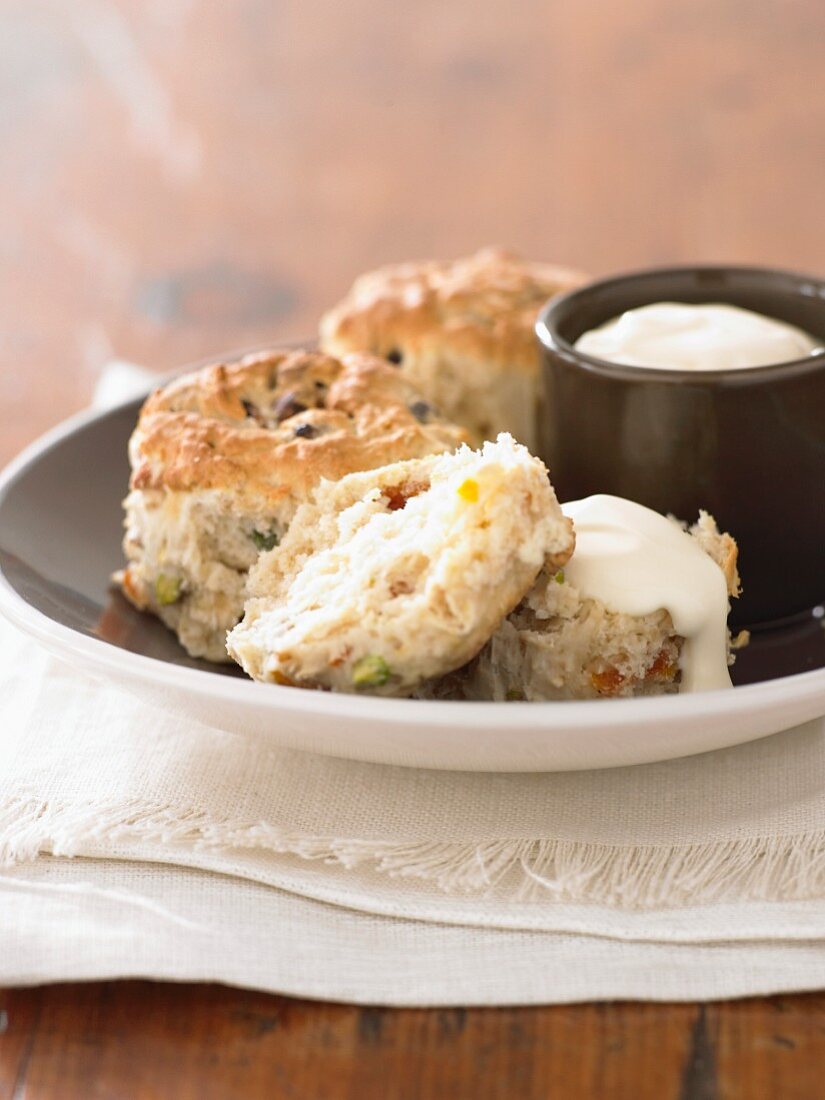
[(60, 525)]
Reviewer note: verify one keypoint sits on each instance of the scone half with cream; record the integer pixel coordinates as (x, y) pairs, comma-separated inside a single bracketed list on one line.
[(462, 332), (222, 458), (640, 609), (389, 578)]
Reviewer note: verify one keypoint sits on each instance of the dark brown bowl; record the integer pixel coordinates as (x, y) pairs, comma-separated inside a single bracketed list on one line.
[(747, 445)]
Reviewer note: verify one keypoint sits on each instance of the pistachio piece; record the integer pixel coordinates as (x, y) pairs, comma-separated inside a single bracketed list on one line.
[(370, 671), (266, 540), (168, 589)]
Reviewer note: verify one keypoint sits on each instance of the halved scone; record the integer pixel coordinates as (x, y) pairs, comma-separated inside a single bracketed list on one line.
[(388, 578), (222, 458)]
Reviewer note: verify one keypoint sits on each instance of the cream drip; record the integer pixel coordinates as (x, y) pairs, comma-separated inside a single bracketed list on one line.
[(636, 562)]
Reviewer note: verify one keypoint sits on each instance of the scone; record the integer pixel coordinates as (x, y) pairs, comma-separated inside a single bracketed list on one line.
[(222, 458), (388, 578), (462, 332), (559, 644)]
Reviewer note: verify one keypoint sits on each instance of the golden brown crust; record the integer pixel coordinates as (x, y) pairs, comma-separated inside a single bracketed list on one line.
[(484, 306), (273, 424), (721, 547), (727, 560)]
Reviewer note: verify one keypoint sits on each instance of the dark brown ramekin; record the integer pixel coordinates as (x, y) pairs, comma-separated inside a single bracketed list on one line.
[(747, 445)]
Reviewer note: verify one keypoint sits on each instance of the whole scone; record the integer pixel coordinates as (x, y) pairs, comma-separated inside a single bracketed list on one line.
[(223, 457), (388, 578), (462, 332), (559, 645)]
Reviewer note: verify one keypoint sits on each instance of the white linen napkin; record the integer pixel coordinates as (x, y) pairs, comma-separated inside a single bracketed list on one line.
[(199, 855)]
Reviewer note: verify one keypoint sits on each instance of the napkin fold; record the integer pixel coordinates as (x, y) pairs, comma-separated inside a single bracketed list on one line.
[(71, 920), (92, 771), (134, 842)]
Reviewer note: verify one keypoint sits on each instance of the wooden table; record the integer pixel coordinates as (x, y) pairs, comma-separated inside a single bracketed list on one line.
[(185, 176)]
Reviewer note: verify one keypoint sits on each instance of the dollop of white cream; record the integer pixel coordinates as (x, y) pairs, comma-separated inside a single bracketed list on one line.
[(678, 336), (635, 562)]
